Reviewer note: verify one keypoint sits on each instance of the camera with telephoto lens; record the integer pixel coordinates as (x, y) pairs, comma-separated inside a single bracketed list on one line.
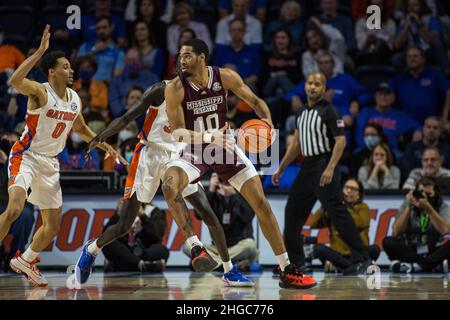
[(418, 194)]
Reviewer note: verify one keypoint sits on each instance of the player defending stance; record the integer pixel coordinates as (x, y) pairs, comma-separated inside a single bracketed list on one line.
[(197, 100), (157, 147), (53, 110)]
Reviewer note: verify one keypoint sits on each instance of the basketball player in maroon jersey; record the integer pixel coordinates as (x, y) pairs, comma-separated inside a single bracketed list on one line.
[(196, 103)]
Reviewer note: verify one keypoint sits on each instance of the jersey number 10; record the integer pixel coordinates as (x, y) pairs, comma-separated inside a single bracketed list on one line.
[(212, 122)]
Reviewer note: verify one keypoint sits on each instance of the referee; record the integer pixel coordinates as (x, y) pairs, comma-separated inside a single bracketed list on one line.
[(321, 139)]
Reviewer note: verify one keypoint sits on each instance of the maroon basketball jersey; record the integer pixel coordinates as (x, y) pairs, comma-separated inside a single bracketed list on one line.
[(205, 108)]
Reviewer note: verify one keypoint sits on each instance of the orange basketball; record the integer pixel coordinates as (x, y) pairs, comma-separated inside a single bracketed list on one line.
[(254, 136)]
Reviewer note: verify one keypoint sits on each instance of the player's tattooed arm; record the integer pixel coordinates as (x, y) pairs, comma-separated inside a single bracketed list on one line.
[(153, 96), (35, 90), (233, 81)]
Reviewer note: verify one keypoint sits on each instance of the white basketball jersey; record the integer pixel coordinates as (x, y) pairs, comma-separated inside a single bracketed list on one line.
[(48, 127)]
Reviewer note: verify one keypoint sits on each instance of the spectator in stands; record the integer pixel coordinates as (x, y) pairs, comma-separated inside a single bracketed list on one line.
[(415, 244), (182, 19), (337, 255), (420, 28), (421, 91), (236, 217), (133, 75), (89, 24), (359, 8), (152, 56), (289, 174), (323, 38), (73, 156), (380, 173), (281, 66), (141, 249), (373, 136), (245, 58), (150, 12), (431, 167), (134, 94), (396, 124), (344, 24), (98, 91), (431, 138), (20, 231), (257, 8), (109, 58), (10, 58), (375, 45), (253, 27), (290, 14), (186, 34), (342, 90)]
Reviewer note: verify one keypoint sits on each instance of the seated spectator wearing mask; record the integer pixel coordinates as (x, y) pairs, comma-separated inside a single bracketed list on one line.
[(236, 217), (380, 173), (337, 255), (373, 136), (134, 94), (431, 167), (415, 244), (141, 249)]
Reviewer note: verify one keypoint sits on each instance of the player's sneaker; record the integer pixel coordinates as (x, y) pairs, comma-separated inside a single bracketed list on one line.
[(234, 278), (201, 260), (83, 268), (28, 269), (293, 278)]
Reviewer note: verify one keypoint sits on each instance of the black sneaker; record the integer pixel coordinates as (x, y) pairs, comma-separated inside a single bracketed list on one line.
[(201, 260), (358, 268), (154, 266), (293, 278)]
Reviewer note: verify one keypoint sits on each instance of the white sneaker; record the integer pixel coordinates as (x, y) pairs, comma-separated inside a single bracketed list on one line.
[(28, 269)]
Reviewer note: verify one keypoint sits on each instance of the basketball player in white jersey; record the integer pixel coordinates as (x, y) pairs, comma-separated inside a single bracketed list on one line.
[(53, 111), (156, 148)]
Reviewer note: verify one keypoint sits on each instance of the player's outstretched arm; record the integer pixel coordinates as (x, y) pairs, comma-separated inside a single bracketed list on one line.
[(26, 86), (153, 96), (233, 81)]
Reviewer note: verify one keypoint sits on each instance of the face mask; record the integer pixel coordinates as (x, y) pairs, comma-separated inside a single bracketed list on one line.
[(76, 138), (125, 135), (129, 156), (86, 75), (133, 69), (371, 141)]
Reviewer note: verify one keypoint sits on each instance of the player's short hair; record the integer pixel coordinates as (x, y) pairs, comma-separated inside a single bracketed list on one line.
[(50, 60), (198, 46)]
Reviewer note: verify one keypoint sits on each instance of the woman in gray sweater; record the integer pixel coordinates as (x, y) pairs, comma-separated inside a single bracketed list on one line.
[(380, 173)]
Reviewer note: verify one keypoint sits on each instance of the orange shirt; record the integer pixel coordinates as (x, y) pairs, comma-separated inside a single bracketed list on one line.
[(10, 57), (98, 91)]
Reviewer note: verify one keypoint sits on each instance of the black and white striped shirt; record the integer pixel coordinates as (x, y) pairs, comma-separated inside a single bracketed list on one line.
[(317, 127)]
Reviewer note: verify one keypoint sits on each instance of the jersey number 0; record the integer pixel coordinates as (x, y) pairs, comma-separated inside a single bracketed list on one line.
[(58, 130)]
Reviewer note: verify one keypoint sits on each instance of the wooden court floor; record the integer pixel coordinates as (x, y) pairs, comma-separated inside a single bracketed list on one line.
[(185, 285)]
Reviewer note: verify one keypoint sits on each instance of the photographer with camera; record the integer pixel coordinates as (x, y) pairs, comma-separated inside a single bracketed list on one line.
[(337, 256), (416, 244), (141, 249)]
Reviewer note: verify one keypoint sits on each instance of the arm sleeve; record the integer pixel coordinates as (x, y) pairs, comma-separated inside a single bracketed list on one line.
[(363, 176), (410, 183), (334, 121)]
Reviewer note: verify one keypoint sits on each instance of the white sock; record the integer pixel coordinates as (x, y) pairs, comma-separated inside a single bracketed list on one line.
[(29, 255), (227, 266), (193, 241), (93, 248), (283, 260)]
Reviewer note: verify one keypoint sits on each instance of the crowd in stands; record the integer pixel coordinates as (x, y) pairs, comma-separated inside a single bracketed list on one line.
[(390, 84)]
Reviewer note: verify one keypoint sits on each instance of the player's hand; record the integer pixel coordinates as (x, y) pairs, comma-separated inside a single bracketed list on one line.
[(326, 177), (45, 40), (111, 152), (273, 132), (223, 138), (92, 145), (276, 177)]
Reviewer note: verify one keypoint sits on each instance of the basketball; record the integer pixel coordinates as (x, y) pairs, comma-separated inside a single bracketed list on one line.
[(255, 136)]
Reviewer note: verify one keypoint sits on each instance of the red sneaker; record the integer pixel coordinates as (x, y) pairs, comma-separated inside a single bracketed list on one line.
[(201, 260), (28, 269), (293, 278)]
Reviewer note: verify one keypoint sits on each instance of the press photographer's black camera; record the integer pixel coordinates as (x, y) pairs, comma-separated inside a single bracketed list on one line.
[(418, 194)]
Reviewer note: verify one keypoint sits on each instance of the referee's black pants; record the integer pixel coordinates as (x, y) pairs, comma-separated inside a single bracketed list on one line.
[(303, 195)]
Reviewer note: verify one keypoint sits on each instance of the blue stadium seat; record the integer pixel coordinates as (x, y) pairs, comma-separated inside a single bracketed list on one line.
[(370, 76), (17, 20), (55, 16)]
